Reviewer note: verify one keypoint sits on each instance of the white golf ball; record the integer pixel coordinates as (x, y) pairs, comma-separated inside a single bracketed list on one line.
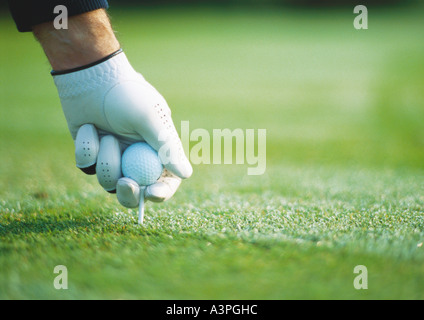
[(141, 163)]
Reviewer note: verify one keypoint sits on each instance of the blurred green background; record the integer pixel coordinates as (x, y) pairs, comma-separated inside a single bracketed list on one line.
[(343, 109)]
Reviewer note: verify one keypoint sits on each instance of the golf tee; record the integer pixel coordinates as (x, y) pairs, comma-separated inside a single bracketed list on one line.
[(141, 206)]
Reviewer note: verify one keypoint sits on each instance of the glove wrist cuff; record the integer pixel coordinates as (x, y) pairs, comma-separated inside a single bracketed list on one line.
[(101, 76), (57, 73)]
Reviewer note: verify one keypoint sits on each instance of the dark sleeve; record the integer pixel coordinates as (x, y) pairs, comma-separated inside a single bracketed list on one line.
[(28, 13)]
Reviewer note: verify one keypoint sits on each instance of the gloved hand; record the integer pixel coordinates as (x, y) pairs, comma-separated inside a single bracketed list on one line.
[(109, 106)]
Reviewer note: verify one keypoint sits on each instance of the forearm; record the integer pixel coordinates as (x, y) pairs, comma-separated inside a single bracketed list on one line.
[(28, 13), (89, 38)]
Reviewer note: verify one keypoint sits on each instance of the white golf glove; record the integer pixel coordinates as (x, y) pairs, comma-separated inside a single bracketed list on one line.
[(109, 106)]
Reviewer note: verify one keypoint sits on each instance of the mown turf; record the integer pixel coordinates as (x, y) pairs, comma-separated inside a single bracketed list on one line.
[(344, 180)]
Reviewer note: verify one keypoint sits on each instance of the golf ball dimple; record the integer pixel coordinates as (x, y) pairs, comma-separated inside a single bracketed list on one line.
[(141, 163)]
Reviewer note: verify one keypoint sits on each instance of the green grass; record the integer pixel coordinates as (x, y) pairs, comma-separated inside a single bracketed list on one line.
[(344, 184)]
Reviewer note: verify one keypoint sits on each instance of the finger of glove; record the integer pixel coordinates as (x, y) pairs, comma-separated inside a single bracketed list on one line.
[(87, 148), (108, 167), (128, 192), (162, 190), (139, 105)]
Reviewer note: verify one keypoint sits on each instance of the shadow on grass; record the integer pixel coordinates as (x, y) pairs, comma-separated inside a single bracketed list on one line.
[(46, 226)]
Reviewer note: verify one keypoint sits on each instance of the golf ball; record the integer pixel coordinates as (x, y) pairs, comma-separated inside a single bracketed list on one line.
[(141, 163)]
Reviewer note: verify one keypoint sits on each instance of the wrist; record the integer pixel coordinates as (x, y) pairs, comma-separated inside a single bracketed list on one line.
[(87, 66), (89, 38)]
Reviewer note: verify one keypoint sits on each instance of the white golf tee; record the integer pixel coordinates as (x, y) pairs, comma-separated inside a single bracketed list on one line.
[(141, 206)]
